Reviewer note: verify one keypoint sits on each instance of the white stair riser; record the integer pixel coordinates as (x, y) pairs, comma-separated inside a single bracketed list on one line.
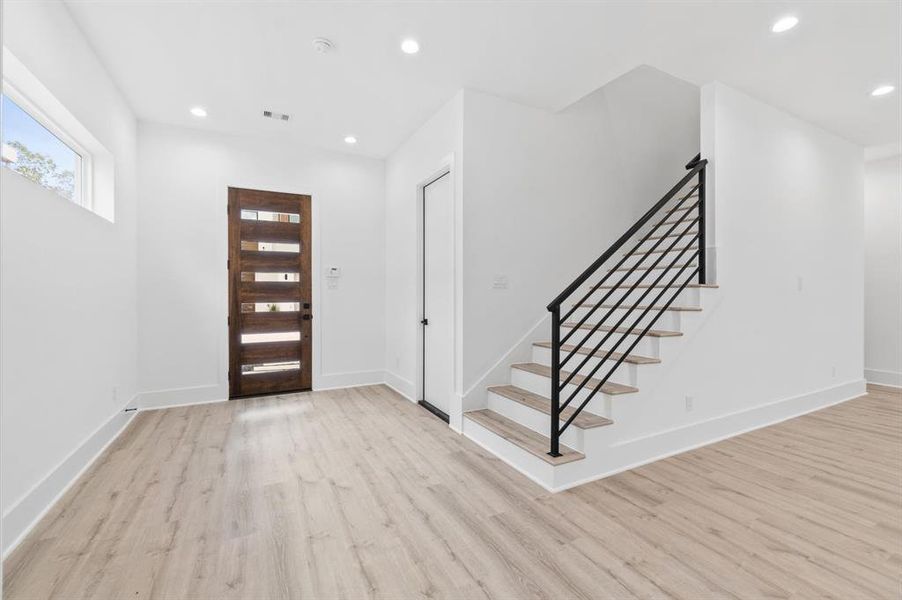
[(663, 223), (666, 262), (533, 466), (668, 230), (534, 419), (627, 373), (669, 321), (647, 346), (688, 297), (682, 239), (538, 384), (647, 260), (667, 275)]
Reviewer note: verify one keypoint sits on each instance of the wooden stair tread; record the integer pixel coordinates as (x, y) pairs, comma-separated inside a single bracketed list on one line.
[(523, 437), (630, 358), (681, 220), (692, 206), (646, 285), (643, 307), (634, 268), (669, 235), (637, 330), (610, 388), (662, 251), (584, 420)]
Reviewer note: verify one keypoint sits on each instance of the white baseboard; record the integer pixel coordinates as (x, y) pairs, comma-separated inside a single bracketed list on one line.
[(28, 510), (205, 394), (186, 396), (333, 381), (881, 377), (403, 386), (664, 444)]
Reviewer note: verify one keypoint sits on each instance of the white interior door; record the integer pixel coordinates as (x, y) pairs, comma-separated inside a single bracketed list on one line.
[(438, 293)]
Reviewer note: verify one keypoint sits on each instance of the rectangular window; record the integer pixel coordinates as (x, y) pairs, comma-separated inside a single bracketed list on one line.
[(32, 150), (42, 141)]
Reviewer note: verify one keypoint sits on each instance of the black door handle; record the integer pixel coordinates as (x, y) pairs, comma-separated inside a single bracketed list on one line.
[(307, 317), (424, 322)]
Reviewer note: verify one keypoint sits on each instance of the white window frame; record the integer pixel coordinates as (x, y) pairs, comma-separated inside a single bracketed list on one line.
[(84, 176), (96, 180)]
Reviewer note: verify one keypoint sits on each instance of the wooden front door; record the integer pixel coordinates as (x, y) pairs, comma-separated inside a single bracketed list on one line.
[(270, 305)]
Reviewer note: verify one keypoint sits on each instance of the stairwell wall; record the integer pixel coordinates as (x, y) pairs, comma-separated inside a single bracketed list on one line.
[(547, 193), (541, 194), (783, 333)]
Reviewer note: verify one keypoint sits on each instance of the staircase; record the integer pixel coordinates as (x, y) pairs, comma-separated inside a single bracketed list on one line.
[(610, 329)]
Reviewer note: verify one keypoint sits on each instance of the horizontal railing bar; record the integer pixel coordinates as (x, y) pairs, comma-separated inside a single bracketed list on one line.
[(622, 279), (653, 252), (586, 400), (663, 223), (617, 304), (696, 166), (679, 206), (606, 337), (633, 345), (635, 247), (635, 285), (699, 165), (680, 218), (631, 269), (657, 237)]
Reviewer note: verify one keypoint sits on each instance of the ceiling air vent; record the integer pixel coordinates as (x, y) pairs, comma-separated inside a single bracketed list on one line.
[(274, 115)]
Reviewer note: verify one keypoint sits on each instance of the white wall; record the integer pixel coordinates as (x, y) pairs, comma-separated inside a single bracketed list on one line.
[(182, 251), (782, 335), (883, 271), (436, 145), (546, 194), (785, 328), (67, 284), (540, 195)]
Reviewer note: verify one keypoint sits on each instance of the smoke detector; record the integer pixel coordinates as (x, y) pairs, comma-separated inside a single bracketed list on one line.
[(274, 115), (322, 45)]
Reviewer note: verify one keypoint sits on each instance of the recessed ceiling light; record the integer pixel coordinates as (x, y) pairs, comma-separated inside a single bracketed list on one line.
[(410, 46), (883, 90), (350, 139), (199, 111), (785, 24)]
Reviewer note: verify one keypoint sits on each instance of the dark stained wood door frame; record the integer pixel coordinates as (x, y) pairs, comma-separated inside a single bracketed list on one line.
[(265, 291)]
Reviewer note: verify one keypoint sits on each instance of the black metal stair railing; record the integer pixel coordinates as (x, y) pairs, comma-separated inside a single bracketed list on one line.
[(689, 226)]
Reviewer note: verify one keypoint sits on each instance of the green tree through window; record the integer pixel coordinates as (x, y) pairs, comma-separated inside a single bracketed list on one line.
[(43, 170), (33, 151)]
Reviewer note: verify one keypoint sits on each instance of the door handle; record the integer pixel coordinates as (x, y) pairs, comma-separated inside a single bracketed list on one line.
[(424, 321), (307, 317)]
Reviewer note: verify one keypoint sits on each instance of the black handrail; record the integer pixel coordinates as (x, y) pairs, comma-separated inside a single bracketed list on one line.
[(624, 277), (696, 168)]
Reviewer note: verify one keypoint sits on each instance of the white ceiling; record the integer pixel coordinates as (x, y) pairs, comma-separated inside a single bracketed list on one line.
[(238, 58)]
